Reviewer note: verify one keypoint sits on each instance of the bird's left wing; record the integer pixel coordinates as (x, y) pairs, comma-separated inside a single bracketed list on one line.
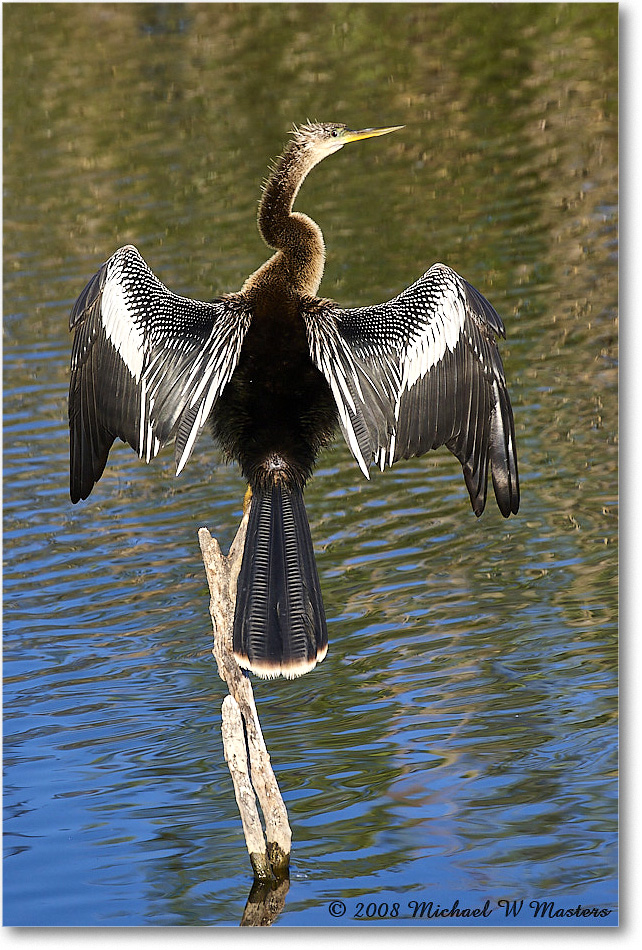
[(147, 366), (418, 372)]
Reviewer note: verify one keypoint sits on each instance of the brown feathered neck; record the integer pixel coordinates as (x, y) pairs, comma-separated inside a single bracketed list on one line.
[(296, 238)]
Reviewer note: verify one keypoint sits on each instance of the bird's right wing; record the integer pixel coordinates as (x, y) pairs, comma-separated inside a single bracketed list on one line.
[(147, 366), (418, 372)]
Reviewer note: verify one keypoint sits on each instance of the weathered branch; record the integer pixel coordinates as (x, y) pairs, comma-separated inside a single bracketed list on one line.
[(239, 709)]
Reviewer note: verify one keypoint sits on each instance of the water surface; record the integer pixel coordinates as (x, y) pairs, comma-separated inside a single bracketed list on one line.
[(459, 741)]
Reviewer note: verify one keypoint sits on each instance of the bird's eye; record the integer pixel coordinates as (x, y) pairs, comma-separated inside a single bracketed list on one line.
[(334, 133)]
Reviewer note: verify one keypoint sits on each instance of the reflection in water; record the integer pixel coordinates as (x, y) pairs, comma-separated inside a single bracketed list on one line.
[(264, 904), (459, 739)]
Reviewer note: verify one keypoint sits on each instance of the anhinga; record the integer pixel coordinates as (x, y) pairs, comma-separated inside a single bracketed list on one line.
[(274, 369)]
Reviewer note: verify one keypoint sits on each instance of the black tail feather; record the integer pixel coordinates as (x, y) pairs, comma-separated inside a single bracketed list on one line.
[(279, 623)]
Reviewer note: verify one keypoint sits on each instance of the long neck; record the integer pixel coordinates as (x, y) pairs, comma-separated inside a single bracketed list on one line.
[(296, 237)]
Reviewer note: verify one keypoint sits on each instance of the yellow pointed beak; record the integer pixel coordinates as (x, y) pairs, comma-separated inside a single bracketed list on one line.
[(368, 133)]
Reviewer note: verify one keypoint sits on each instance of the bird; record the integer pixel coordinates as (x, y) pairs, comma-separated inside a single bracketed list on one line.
[(275, 371)]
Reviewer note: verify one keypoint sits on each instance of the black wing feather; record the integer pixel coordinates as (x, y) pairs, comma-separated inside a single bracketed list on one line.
[(435, 377), (147, 366)]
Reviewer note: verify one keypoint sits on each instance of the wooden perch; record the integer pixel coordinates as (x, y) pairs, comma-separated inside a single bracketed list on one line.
[(242, 737)]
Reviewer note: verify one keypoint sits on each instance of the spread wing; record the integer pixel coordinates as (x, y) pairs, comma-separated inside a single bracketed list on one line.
[(419, 372), (147, 366)]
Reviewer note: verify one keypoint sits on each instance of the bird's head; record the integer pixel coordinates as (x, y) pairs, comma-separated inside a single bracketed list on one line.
[(319, 139)]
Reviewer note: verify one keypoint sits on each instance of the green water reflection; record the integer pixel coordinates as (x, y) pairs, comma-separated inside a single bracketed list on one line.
[(459, 739)]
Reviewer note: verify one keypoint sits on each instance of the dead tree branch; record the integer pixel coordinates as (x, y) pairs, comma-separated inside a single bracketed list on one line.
[(242, 736)]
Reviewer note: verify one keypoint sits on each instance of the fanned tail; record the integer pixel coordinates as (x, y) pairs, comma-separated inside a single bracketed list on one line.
[(279, 623)]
